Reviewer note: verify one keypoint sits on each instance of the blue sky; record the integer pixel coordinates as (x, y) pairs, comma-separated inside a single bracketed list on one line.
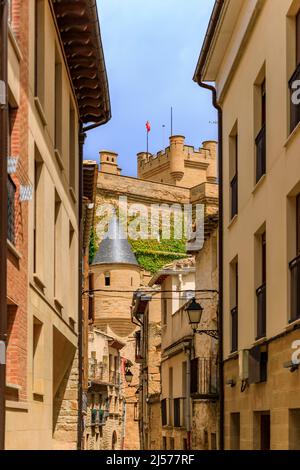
[(151, 50)]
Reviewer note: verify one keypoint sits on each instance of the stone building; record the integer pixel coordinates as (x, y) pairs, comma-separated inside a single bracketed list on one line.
[(192, 181), (50, 102), (146, 314), (252, 53), (105, 412), (116, 274)]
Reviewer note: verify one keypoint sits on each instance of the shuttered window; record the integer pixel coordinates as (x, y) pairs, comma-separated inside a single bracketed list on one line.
[(194, 375)]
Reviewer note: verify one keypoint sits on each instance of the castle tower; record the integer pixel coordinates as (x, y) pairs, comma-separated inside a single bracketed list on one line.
[(109, 162), (117, 275), (177, 157)]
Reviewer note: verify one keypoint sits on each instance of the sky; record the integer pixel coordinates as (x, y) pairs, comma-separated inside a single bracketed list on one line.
[(151, 50)]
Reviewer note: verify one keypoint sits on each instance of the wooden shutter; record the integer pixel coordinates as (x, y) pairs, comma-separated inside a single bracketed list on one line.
[(194, 375), (254, 365)]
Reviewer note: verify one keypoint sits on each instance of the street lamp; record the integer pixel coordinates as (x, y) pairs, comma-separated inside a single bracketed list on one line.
[(194, 311), (128, 376)]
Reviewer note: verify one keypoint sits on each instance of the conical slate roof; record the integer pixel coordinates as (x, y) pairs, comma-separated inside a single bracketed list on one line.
[(114, 248)]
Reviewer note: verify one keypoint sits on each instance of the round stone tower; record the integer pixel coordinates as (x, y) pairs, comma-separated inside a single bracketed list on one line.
[(117, 275), (177, 157)]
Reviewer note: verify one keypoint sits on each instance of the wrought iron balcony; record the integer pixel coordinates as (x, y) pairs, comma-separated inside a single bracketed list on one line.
[(260, 143), (295, 288), (261, 311), (205, 378), (295, 108)]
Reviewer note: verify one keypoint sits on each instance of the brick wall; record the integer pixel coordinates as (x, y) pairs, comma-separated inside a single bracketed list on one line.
[(17, 266)]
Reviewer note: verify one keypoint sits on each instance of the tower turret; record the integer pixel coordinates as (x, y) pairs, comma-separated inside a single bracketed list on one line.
[(177, 157)]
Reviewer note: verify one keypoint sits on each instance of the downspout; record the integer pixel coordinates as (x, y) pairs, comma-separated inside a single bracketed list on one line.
[(188, 397), (80, 288), (219, 4), (3, 211)]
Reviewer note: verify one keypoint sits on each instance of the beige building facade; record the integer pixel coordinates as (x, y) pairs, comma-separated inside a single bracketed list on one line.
[(105, 407), (46, 416), (252, 54)]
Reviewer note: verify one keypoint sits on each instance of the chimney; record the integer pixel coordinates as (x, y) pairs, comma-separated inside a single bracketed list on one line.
[(109, 162)]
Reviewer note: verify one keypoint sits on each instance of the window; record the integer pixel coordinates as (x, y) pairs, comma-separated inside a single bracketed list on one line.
[(107, 279), (235, 431), (233, 171), (262, 431), (11, 197), (164, 311), (164, 443), (40, 50), (260, 140), (194, 375), (177, 414), (295, 269), (258, 364), (164, 412), (72, 159), (172, 443), (234, 290), (58, 103), (38, 245), (294, 429), (57, 246), (184, 379), (261, 290), (37, 366), (72, 300), (295, 108)]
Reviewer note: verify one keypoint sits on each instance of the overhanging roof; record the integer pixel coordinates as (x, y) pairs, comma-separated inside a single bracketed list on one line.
[(79, 30)]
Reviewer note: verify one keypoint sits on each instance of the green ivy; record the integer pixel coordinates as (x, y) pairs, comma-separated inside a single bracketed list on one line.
[(152, 255), (92, 246)]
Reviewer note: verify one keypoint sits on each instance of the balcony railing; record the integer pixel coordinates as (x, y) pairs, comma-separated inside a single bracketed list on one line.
[(295, 108), (295, 288), (204, 377), (234, 329), (261, 311), (114, 377), (96, 371), (260, 143), (234, 196), (11, 195)]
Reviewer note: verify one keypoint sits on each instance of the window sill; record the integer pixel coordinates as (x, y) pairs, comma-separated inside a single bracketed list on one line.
[(39, 283), (58, 305), (293, 324), (72, 193), (12, 249), (233, 355), (59, 159), (292, 135), (259, 183), (14, 387), (40, 110), (14, 43), (260, 341), (233, 220), (16, 405), (37, 396)]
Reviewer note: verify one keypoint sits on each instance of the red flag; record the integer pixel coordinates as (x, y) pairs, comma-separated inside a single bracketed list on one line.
[(148, 127)]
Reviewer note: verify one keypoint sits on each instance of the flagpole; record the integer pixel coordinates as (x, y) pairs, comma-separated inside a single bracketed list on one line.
[(147, 132), (171, 121)]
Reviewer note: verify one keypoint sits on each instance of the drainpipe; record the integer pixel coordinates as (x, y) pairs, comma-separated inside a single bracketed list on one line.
[(188, 397), (80, 288), (3, 211), (81, 139), (219, 4)]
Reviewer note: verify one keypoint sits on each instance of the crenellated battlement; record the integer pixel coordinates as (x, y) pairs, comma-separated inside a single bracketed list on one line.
[(173, 165)]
